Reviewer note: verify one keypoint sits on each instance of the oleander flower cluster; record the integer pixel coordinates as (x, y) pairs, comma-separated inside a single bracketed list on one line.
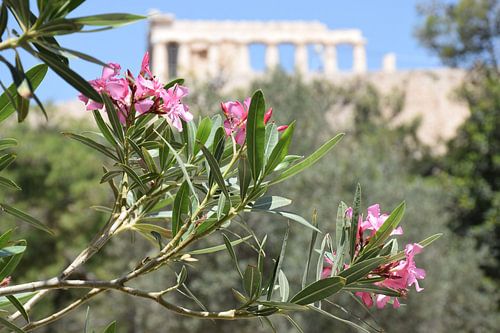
[(397, 275), (136, 96)]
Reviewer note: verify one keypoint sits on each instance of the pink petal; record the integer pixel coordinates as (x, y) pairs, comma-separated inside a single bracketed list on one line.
[(144, 105)]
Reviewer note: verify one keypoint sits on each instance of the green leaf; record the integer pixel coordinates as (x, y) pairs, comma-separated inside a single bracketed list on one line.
[(229, 246), (11, 250), (290, 216), (314, 235), (148, 228), (25, 218), (426, 242), (308, 161), (12, 299), (59, 27), (111, 328), (148, 159), (387, 228), (371, 288), (7, 183), (70, 76), (271, 203), (7, 143), (255, 135), (361, 269), (35, 76), (173, 83), (104, 128), (135, 177), (252, 281), (5, 238), (92, 144), (6, 160), (278, 265), (272, 137), (180, 208), (11, 263), (3, 19), (319, 290), (354, 222), (21, 297), (215, 170), (284, 286), (281, 150), (10, 325), (345, 321), (113, 20), (202, 134), (181, 164), (283, 305), (244, 176), (219, 248), (112, 114)]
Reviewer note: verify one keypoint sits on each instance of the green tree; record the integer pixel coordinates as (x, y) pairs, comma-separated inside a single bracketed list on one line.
[(462, 33)]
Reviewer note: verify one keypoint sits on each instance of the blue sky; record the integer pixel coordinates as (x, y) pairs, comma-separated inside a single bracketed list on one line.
[(388, 26)]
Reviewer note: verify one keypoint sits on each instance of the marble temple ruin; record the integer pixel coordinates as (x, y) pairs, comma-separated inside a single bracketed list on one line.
[(210, 48)]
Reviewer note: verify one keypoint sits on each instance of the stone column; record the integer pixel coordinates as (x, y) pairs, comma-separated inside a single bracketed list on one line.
[(272, 56), (359, 58), (243, 61), (160, 61), (330, 59), (389, 63), (184, 59), (301, 62), (213, 60)]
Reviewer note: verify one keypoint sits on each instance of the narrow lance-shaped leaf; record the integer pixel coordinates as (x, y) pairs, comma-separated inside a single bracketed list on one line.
[(319, 290), (252, 280), (314, 236), (354, 222), (361, 269), (25, 217), (11, 263), (181, 207), (281, 150), (111, 328), (35, 76), (10, 325), (279, 264), (426, 242), (229, 246), (112, 114), (92, 144), (215, 170), (113, 20), (308, 161), (14, 301), (202, 134), (387, 228), (244, 176), (219, 248), (70, 76), (255, 135), (103, 127), (3, 19)]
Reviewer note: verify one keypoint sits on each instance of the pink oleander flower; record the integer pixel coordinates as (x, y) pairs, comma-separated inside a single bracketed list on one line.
[(399, 276), (236, 114), (144, 94), (374, 221)]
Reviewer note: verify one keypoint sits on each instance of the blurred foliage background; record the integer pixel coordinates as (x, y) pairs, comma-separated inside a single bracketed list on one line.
[(457, 193), (60, 178)]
